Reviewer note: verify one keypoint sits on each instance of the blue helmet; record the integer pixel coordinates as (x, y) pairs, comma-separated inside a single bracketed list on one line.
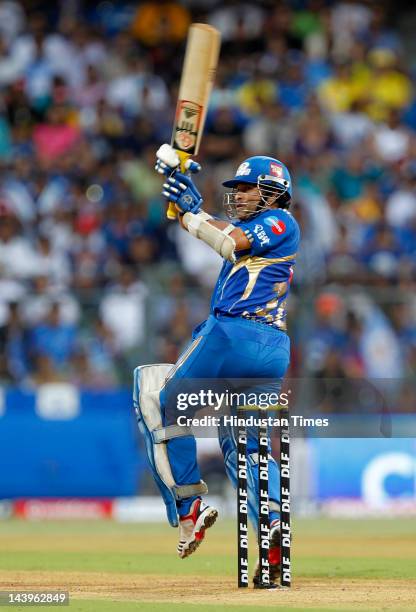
[(261, 170)]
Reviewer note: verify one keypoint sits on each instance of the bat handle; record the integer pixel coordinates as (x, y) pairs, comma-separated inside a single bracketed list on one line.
[(172, 211)]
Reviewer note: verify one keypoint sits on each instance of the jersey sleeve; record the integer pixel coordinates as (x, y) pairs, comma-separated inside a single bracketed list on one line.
[(267, 231)]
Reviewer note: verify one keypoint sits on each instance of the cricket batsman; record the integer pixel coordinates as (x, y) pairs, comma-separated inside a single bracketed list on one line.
[(243, 337)]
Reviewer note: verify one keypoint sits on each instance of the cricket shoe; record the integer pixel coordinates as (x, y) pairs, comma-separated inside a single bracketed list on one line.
[(192, 527), (274, 557)]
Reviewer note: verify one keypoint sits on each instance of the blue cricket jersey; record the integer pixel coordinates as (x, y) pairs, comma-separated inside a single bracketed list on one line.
[(257, 285)]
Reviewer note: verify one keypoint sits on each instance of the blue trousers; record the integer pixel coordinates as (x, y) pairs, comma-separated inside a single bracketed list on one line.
[(228, 348)]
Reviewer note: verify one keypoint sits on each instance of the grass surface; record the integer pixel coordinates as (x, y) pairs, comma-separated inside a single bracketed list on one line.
[(341, 565)]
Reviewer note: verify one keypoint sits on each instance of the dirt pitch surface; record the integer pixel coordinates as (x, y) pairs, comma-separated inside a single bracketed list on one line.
[(335, 593), (108, 567)]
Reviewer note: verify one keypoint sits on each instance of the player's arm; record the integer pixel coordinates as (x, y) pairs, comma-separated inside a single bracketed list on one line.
[(242, 243), (179, 188)]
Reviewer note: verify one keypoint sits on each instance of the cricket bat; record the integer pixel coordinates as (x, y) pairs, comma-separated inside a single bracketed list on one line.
[(198, 74)]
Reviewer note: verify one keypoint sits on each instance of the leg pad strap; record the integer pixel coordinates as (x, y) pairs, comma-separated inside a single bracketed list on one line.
[(171, 431), (183, 491)]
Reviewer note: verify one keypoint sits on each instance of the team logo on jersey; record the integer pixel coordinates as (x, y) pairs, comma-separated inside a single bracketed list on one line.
[(276, 170), (243, 169), (277, 225)]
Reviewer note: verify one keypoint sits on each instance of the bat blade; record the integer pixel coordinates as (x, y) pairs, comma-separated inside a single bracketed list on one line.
[(198, 74)]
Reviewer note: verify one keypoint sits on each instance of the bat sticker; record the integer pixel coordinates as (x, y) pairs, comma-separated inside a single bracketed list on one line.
[(187, 121)]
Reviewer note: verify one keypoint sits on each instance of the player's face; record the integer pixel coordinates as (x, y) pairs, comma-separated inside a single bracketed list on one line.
[(246, 198)]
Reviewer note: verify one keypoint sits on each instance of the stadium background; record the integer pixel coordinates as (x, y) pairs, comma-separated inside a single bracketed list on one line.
[(94, 280)]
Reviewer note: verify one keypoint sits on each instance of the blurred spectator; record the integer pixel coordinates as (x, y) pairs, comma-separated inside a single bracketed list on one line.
[(389, 88), (224, 133), (12, 19), (259, 89), (382, 252), (53, 340), (349, 20), (138, 90), (178, 328), (44, 371), (139, 175), (401, 205), (123, 311), (52, 263), (90, 93), (313, 136), (328, 334), (32, 193), (350, 178), (338, 92), (41, 295), (160, 23), (16, 348), (367, 208), (391, 140), (55, 137), (352, 127), (404, 324), (309, 20), (238, 21), (17, 256), (293, 90), (379, 345), (270, 132), (38, 76), (86, 98), (93, 365)]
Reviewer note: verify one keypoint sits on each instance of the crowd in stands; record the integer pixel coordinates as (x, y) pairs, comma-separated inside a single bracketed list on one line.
[(93, 279)]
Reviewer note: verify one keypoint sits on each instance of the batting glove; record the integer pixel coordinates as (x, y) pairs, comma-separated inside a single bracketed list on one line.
[(167, 160), (180, 189)]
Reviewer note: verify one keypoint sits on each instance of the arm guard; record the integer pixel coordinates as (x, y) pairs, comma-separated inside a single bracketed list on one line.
[(219, 239)]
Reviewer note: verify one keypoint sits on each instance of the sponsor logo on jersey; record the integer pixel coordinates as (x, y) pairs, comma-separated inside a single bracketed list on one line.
[(277, 225), (261, 234), (243, 169), (276, 170)]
